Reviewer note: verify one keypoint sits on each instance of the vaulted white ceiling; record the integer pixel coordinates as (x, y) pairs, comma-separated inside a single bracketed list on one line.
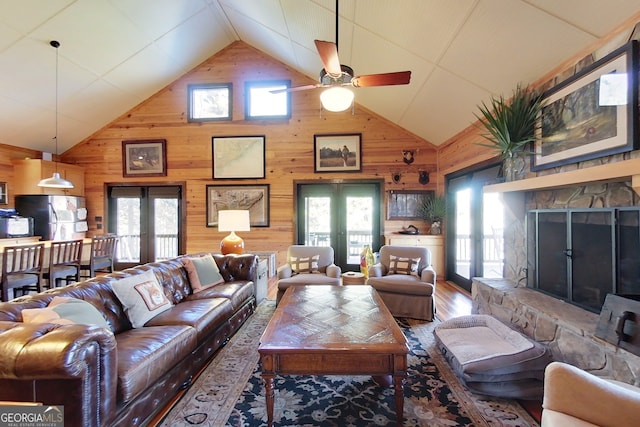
[(116, 53)]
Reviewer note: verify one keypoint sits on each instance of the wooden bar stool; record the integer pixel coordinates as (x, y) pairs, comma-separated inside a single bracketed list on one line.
[(64, 263), (21, 269), (103, 250)]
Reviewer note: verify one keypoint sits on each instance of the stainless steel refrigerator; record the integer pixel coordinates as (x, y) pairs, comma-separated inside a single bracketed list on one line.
[(55, 217)]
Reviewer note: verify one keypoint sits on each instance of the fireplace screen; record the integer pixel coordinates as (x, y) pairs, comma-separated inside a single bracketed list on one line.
[(581, 255)]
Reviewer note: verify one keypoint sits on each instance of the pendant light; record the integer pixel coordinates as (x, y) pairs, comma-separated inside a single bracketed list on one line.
[(56, 181)]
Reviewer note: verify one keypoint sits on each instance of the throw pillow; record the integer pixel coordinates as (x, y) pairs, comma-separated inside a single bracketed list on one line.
[(142, 297), (304, 264), (403, 265), (203, 272), (65, 311)]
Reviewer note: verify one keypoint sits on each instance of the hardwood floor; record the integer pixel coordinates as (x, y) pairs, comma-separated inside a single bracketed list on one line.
[(451, 300)]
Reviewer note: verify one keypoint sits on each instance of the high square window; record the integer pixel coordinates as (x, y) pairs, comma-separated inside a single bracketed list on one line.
[(209, 102), (262, 104)]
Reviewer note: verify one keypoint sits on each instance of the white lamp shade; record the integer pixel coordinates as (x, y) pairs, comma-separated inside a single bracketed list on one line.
[(336, 99), (56, 181), (233, 220)]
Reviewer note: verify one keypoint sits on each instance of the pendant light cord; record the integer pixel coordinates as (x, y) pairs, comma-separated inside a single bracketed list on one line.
[(337, 8), (56, 44)]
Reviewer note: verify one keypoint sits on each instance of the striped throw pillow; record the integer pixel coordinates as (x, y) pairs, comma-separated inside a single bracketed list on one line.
[(403, 265), (304, 264)]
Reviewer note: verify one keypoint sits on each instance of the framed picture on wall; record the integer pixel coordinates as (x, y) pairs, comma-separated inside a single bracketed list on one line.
[(338, 153), (592, 114), (406, 204), (237, 157), (144, 158), (254, 198)]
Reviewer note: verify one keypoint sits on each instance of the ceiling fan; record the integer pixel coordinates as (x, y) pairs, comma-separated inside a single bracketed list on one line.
[(337, 77)]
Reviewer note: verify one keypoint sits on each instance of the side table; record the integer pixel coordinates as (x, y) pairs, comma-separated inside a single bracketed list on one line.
[(353, 278), (262, 281)]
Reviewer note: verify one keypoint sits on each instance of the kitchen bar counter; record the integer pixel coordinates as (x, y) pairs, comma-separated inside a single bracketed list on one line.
[(17, 241)]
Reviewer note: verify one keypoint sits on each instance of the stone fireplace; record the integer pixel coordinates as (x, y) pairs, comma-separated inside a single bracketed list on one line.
[(569, 330)]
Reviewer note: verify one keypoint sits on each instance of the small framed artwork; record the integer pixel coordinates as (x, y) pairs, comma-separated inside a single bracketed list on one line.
[(590, 115), (4, 196), (267, 100), (237, 157), (209, 102), (337, 153), (406, 204), (254, 198), (142, 158)]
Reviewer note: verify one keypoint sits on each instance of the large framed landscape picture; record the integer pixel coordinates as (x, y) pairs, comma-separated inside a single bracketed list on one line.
[(236, 157), (337, 153), (588, 116), (254, 198)]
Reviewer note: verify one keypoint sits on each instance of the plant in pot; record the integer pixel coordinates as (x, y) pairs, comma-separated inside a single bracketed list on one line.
[(434, 209), (511, 124)]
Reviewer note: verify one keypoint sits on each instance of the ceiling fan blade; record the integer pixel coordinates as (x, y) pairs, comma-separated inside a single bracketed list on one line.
[(296, 89), (329, 55), (384, 79)]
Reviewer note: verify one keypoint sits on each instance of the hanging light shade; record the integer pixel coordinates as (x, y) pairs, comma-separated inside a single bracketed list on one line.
[(336, 99), (56, 181)]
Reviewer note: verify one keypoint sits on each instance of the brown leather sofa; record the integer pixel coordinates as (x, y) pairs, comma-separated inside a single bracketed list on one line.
[(122, 376)]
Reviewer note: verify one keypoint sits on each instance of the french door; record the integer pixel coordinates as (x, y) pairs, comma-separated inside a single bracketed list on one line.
[(345, 216), (475, 228), (147, 222)]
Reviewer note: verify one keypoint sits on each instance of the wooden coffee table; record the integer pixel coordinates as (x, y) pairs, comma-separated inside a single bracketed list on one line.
[(333, 330)]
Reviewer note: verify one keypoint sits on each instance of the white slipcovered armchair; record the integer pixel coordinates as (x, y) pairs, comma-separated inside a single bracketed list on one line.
[(575, 398), (405, 280), (307, 265)]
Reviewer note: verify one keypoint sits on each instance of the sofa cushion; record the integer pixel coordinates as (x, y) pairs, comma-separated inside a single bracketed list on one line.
[(203, 272), (403, 265), (401, 284), (304, 264), (146, 354), (204, 315), (142, 297), (238, 293), (65, 310)]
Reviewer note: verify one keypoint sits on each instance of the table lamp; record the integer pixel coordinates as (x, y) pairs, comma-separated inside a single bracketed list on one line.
[(233, 220)]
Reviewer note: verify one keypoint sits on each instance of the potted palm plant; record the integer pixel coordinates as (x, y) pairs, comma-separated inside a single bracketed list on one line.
[(434, 209), (511, 124)]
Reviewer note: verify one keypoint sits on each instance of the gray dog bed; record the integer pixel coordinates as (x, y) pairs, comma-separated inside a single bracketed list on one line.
[(493, 359)]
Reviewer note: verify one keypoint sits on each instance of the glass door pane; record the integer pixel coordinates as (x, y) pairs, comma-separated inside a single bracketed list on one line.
[(359, 227), (128, 230), (165, 228), (463, 233), (317, 221)]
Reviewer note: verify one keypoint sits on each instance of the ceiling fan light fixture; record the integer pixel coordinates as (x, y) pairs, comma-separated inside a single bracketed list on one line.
[(336, 99), (56, 181)]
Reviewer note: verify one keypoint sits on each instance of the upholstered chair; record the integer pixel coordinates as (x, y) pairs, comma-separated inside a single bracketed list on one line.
[(307, 265), (574, 397), (405, 280)]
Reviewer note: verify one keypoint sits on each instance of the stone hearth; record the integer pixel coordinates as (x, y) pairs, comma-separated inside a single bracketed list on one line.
[(568, 330)]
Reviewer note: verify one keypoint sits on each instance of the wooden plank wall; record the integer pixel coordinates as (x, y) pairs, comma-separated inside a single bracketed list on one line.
[(289, 148), (8, 153)]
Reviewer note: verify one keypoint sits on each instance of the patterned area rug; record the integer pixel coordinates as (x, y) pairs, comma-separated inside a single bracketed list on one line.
[(230, 392)]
